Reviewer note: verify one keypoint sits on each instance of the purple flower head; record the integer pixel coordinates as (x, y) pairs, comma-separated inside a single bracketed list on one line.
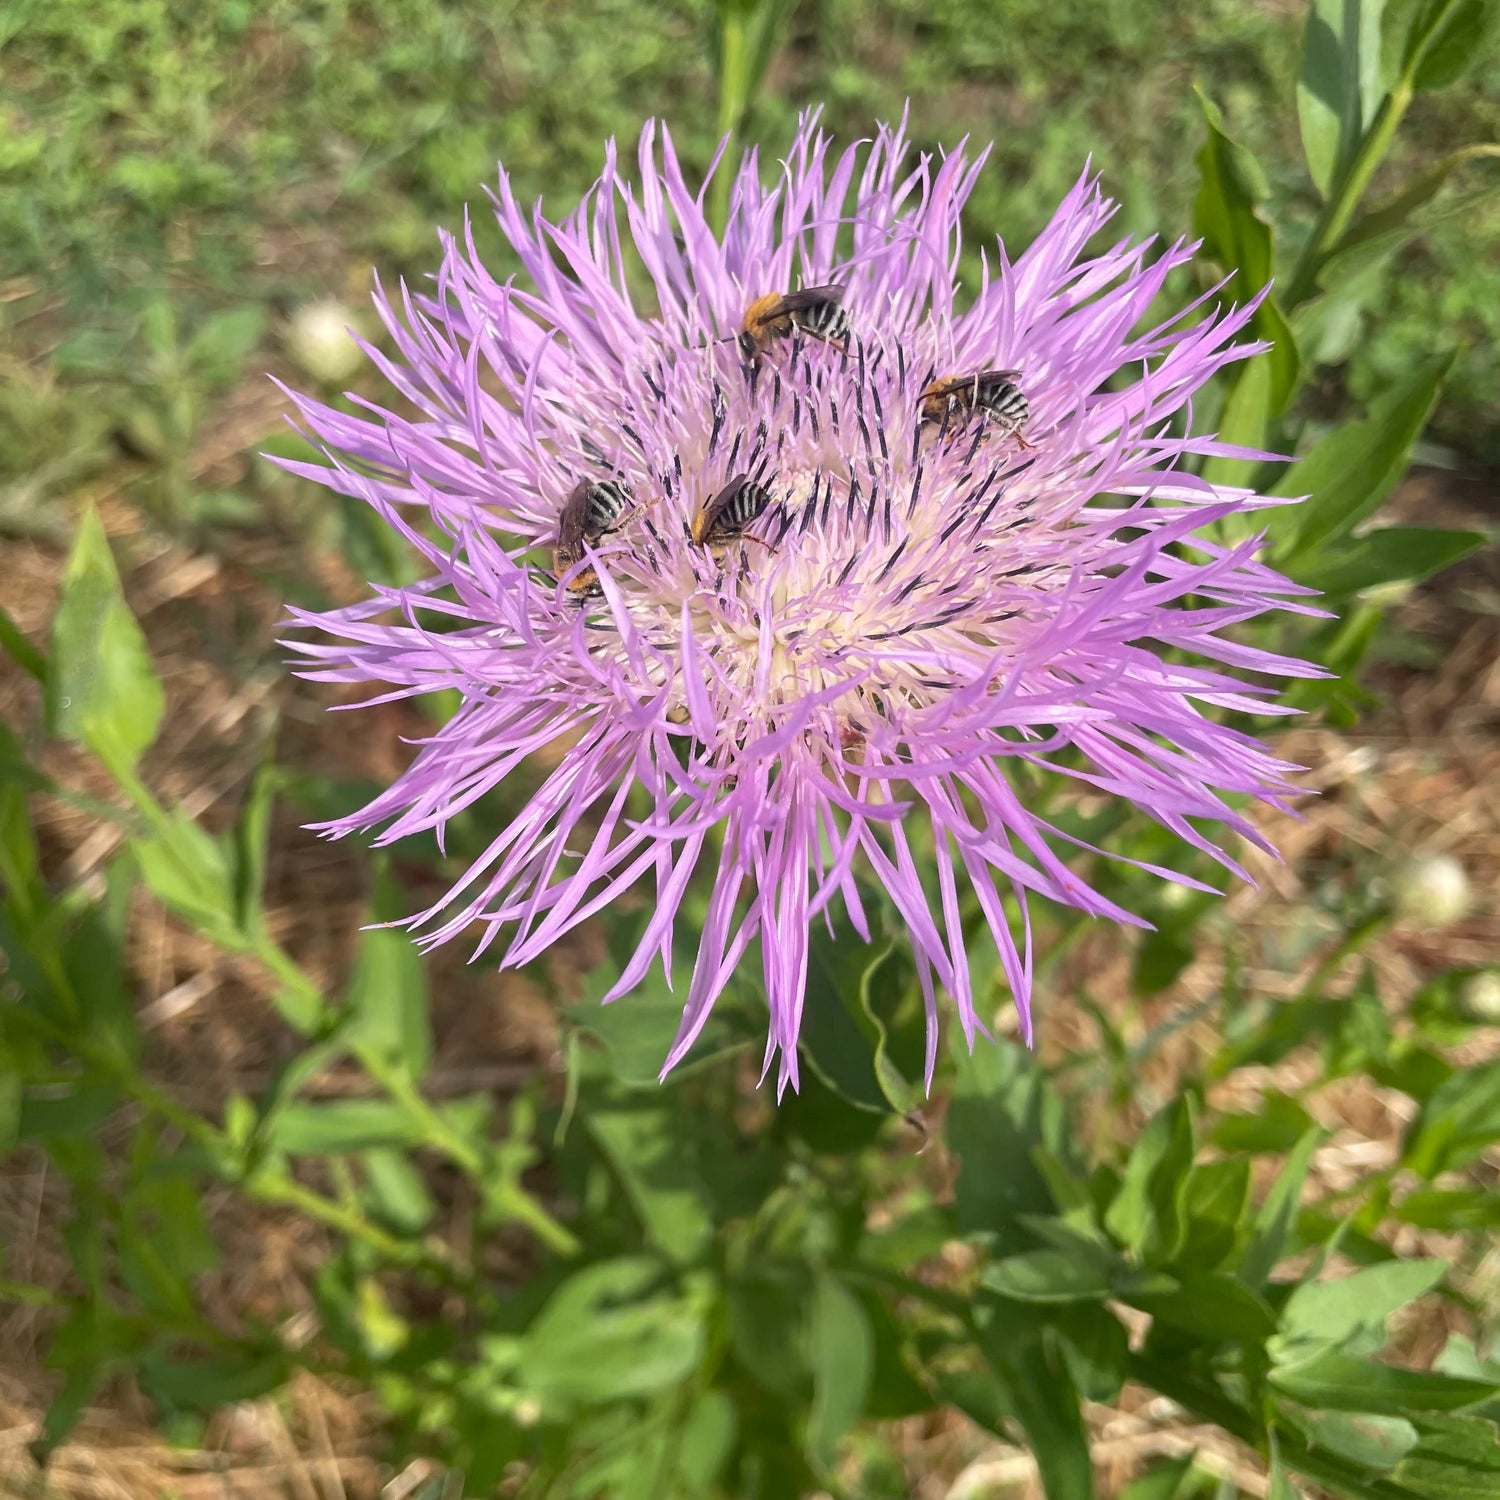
[(793, 555)]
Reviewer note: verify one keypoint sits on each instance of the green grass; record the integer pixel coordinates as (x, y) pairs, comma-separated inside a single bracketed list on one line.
[(273, 152)]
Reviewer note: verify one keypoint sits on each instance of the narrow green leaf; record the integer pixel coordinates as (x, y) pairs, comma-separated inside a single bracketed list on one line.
[(1030, 1366), (1458, 1122), (1395, 554), (20, 650), (1447, 38), (1246, 422), (1273, 1224), (841, 1349), (387, 992), (305, 1128), (1340, 87), (398, 1191), (251, 840), (1162, 1482), (1231, 186), (1281, 1487), (188, 871), (102, 689), (1354, 468), (1390, 223), (1341, 1382), (1046, 1276), (1279, 1125), (1218, 1193), (1147, 1213)]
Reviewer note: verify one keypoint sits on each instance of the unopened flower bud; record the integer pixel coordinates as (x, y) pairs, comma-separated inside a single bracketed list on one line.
[(320, 341), (1431, 890), (1479, 996)]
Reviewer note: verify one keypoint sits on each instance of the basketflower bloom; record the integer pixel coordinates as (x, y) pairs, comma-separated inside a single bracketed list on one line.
[(793, 588)]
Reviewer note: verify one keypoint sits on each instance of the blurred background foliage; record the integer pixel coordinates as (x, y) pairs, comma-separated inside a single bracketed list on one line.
[(286, 1210)]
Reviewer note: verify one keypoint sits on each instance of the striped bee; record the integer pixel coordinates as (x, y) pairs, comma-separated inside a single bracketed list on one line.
[(816, 311), (724, 517), (992, 393), (589, 514)]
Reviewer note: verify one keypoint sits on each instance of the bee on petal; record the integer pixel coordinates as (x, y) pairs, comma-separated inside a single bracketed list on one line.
[(725, 516), (816, 311), (993, 394), (589, 514)]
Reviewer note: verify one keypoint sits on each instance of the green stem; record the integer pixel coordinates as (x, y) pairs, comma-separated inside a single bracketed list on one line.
[(1352, 943), (734, 90), (1340, 208), (509, 1198)]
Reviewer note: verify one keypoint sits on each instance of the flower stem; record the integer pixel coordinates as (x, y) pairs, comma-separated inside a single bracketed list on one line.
[(734, 97), (1340, 208)]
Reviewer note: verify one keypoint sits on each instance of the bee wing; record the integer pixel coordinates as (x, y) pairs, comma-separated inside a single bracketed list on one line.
[(812, 296), (987, 375)]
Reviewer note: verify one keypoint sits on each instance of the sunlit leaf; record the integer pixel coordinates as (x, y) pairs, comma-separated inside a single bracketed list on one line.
[(102, 688), (841, 1351), (1340, 87)]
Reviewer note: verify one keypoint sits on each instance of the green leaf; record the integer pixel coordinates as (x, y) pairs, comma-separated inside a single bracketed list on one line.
[(1340, 87), (1354, 468), (1395, 554), (1218, 1193), (1047, 1276), (1281, 1487), (1273, 1224), (102, 689), (642, 1140), (1245, 421), (637, 1030), (251, 837), (1002, 1108), (1391, 223), (305, 1128), (397, 1190), (1095, 1347), (1215, 1308), (1324, 1313), (1031, 1367), (20, 650), (842, 1036), (1458, 1122), (766, 1318), (1281, 1123), (1456, 1458), (1147, 1213), (220, 347), (1163, 1482), (1376, 1442), (188, 871), (387, 992), (1341, 1382), (841, 1350), (1231, 185), (1447, 38), (611, 1332), (1449, 1209)]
